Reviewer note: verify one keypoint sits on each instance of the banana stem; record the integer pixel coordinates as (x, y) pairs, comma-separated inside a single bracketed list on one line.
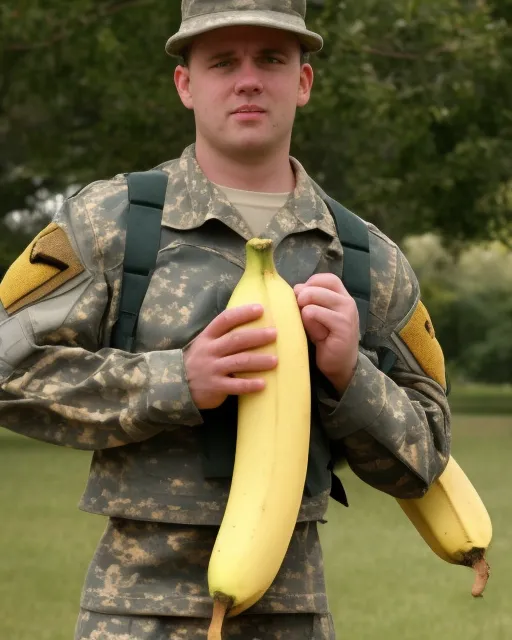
[(476, 560), (220, 608), (482, 571), (260, 255)]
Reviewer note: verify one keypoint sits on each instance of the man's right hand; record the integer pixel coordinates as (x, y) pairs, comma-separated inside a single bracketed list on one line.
[(217, 353)]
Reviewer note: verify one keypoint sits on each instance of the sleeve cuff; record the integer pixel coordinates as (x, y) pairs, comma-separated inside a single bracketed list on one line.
[(360, 405), (168, 396)]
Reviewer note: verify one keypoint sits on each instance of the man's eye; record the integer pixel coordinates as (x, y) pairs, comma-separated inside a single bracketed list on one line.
[(272, 60), (223, 64)]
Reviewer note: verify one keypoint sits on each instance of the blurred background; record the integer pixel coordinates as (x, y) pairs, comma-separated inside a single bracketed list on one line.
[(410, 126)]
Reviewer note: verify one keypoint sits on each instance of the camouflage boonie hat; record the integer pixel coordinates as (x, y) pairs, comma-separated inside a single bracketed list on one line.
[(200, 16)]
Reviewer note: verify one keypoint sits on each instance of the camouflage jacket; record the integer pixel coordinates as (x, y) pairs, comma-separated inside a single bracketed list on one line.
[(62, 383)]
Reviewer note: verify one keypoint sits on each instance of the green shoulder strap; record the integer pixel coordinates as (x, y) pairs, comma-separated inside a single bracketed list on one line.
[(355, 240), (146, 192), (146, 195), (356, 276), (353, 235)]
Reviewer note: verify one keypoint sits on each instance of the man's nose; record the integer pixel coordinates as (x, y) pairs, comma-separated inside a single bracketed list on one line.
[(249, 80)]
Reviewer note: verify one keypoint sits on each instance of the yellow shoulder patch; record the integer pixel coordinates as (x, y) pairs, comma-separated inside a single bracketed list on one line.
[(46, 264), (419, 335)]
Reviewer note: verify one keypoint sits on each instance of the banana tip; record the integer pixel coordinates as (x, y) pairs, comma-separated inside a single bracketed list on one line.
[(482, 572), (221, 604), (260, 244)]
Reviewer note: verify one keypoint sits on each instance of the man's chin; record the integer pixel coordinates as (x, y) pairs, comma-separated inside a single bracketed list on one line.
[(255, 145)]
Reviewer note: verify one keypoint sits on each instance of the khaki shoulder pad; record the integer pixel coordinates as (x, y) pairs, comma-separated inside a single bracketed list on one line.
[(420, 337), (46, 264)]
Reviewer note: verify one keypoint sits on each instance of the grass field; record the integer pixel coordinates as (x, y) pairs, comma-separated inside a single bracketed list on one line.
[(481, 399), (384, 583)]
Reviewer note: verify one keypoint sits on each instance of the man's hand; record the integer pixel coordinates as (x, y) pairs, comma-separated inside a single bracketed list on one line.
[(217, 353), (331, 320)]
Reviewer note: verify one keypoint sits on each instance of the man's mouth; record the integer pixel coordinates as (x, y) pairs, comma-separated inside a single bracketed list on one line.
[(249, 109)]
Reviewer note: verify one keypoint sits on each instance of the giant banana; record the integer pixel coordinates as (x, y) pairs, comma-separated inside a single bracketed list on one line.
[(453, 521), (271, 449)]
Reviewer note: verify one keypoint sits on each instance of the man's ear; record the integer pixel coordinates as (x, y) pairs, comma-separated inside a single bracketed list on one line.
[(307, 77), (182, 82)]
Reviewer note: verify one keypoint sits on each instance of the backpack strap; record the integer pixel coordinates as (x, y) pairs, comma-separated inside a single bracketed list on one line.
[(146, 195), (354, 238), (356, 276)]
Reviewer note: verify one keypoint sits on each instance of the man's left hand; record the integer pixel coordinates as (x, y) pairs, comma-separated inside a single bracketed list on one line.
[(331, 320)]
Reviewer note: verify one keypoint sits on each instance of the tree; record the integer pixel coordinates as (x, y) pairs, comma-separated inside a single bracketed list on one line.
[(86, 93), (469, 298), (412, 112), (409, 124)]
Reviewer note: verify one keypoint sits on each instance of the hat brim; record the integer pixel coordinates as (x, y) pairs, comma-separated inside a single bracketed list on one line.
[(311, 41)]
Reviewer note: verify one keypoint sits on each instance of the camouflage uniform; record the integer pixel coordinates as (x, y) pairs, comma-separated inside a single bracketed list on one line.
[(299, 626), (61, 382)]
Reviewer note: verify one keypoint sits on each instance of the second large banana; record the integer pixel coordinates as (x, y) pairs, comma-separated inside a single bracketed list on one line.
[(453, 521)]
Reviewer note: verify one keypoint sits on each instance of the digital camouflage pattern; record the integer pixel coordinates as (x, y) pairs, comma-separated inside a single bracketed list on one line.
[(199, 16), (97, 626), (61, 382), (161, 569)]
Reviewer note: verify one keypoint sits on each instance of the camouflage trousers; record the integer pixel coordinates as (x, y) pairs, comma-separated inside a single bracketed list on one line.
[(301, 626)]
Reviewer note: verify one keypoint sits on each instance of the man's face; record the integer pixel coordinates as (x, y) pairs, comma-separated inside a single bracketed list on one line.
[(244, 85)]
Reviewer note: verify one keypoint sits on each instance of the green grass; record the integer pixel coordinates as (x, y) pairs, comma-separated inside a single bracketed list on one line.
[(481, 399), (383, 581)]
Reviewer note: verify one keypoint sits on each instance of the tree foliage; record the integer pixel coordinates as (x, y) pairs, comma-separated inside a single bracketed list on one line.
[(469, 297), (86, 93), (413, 104), (410, 122)]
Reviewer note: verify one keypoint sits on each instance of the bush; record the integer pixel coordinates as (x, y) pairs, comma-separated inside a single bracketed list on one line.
[(470, 300)]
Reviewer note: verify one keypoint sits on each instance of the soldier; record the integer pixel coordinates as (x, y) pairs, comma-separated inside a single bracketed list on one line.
[(154, 414)]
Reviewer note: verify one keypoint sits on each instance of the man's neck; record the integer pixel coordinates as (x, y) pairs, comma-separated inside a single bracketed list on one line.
[(266, 174)]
